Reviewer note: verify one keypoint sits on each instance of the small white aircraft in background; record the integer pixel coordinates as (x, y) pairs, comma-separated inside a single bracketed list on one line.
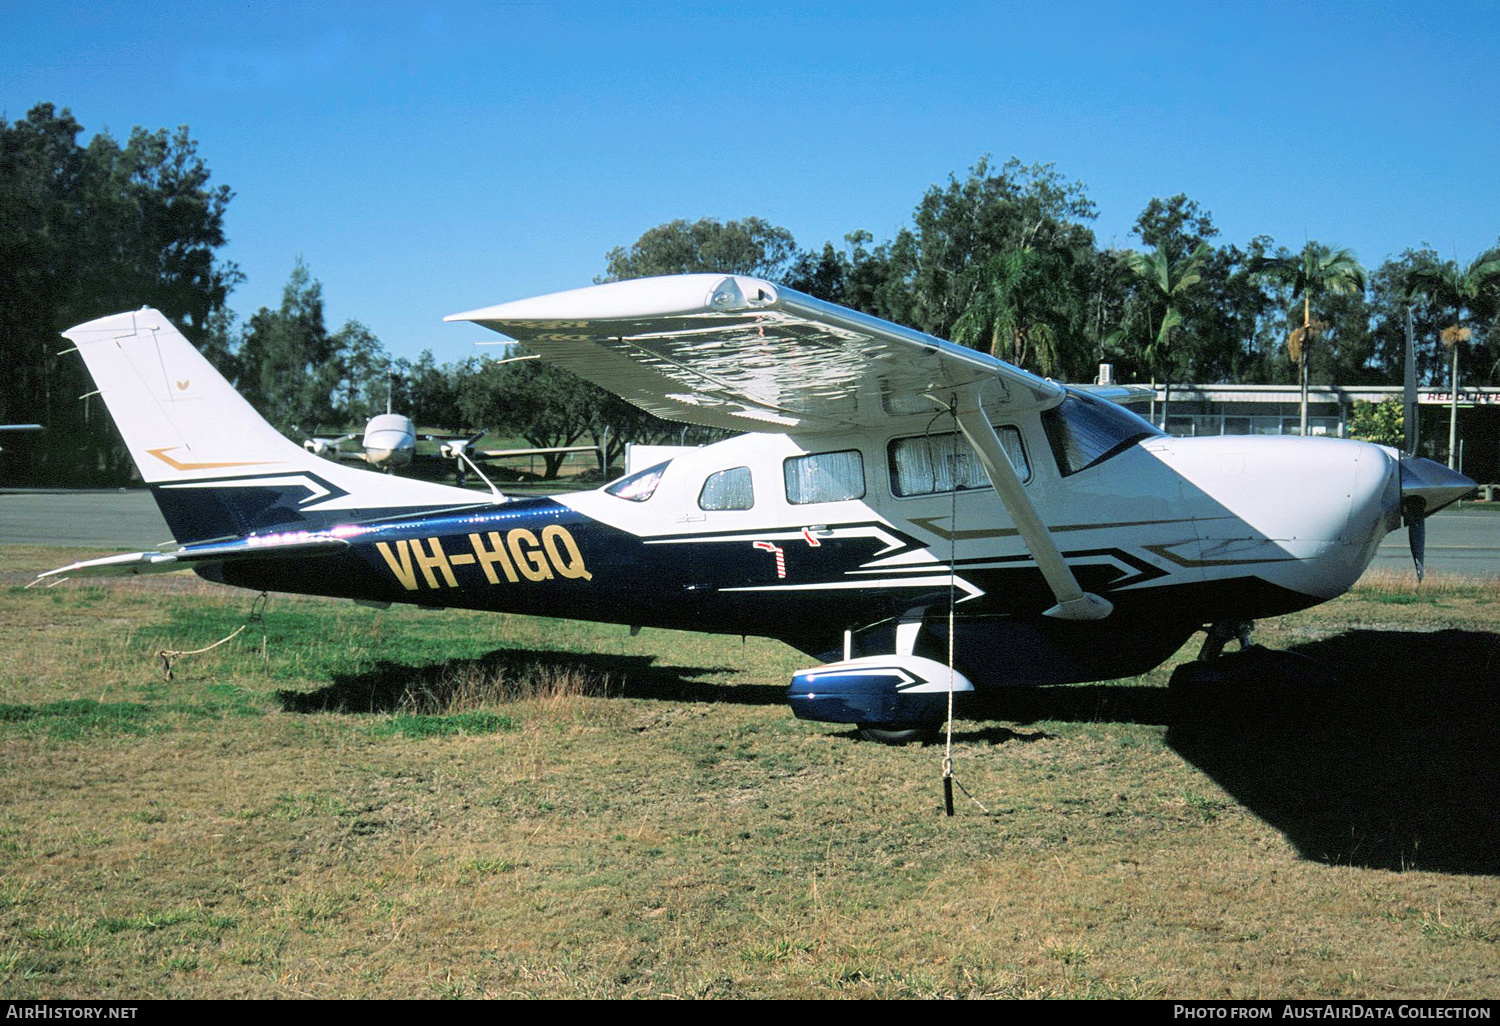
[(389, 441), (894, 498)]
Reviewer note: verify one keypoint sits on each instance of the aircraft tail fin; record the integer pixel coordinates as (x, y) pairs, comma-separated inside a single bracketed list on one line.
[(217, 469)]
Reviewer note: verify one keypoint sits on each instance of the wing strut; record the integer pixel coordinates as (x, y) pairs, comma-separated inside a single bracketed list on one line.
[(1073, 603)]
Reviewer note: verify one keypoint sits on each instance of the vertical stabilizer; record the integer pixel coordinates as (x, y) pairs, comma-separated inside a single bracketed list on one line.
[(216, 467)]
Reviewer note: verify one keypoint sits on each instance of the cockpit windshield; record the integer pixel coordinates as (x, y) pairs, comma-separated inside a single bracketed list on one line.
[(1084, 430), (640, 486)]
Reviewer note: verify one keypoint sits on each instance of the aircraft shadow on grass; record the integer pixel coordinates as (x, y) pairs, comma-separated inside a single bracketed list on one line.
[(392, 686), (1390, 764), (1371, 748)]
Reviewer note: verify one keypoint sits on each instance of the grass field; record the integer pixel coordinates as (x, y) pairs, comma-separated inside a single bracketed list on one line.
[(342, 802)]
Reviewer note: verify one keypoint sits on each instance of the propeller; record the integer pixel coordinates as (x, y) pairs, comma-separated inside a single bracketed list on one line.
[(1417, 488), (328, 447), (1426, 487), (1416, 531), (456, 448)]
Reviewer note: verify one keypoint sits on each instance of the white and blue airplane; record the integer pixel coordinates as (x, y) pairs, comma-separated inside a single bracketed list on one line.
[(389, 441), (919, 516)]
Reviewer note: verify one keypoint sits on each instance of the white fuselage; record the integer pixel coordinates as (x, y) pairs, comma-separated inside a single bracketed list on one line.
[(1305, 515)]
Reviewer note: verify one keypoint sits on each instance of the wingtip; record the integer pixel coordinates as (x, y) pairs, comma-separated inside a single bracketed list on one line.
[(633, 298)]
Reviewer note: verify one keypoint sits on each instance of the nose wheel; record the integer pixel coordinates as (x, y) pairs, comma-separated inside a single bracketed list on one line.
[(1223, 632), (1254, 675)]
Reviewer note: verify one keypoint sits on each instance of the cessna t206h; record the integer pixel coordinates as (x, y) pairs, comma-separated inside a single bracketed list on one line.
[(919, 516)]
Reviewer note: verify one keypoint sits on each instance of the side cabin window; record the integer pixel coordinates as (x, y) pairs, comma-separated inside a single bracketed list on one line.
[(825, 477), (728, 489), (929, 464), (640, 486), (1084, 430)]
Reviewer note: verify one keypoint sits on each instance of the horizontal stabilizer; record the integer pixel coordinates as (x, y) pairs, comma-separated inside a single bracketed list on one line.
[(189, 556)]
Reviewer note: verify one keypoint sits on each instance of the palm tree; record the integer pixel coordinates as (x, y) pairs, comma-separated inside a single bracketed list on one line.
[(1462, 291), (1021, 312), (1318, 269), (1168, 281)]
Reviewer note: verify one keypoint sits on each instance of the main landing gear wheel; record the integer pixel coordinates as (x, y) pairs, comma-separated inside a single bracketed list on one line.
[(899, 733)]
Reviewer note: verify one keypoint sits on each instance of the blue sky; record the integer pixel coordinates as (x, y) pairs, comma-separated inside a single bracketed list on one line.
[(432, 158)]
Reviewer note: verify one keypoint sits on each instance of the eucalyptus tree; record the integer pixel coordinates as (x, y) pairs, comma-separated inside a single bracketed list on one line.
[(1176, 224), (1317, 271), (1465, 292), (874, 281), (752, 246), (1390, 299), (934, 270), (288, 361), (362, 369), (88, 230), (1165, 281)]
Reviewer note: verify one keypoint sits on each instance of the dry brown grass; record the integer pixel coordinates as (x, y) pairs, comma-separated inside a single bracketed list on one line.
[(643, 817), (472, 686)]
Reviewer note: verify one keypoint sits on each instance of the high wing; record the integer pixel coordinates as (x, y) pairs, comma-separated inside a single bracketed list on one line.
[(735, 352), (740, 353)]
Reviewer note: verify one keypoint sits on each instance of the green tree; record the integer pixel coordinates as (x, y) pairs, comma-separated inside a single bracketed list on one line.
[(87, 231), (1222, 315), (289, 365), (1462, 292), (1165, 282), (1390, 297), (361, 370), (1317, 271), (868, 280), (1465, 292), (944, 262), (1383, 423), (752, 246), (429, 393), (1177, 225), (1026, 312), (546, 405), (824, 275)]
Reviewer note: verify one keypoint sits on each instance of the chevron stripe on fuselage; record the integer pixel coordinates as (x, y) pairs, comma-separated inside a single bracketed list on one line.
[(541, 557)]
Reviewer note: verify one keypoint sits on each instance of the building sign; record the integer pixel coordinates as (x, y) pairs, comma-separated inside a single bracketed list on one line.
[(1479, 396)]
